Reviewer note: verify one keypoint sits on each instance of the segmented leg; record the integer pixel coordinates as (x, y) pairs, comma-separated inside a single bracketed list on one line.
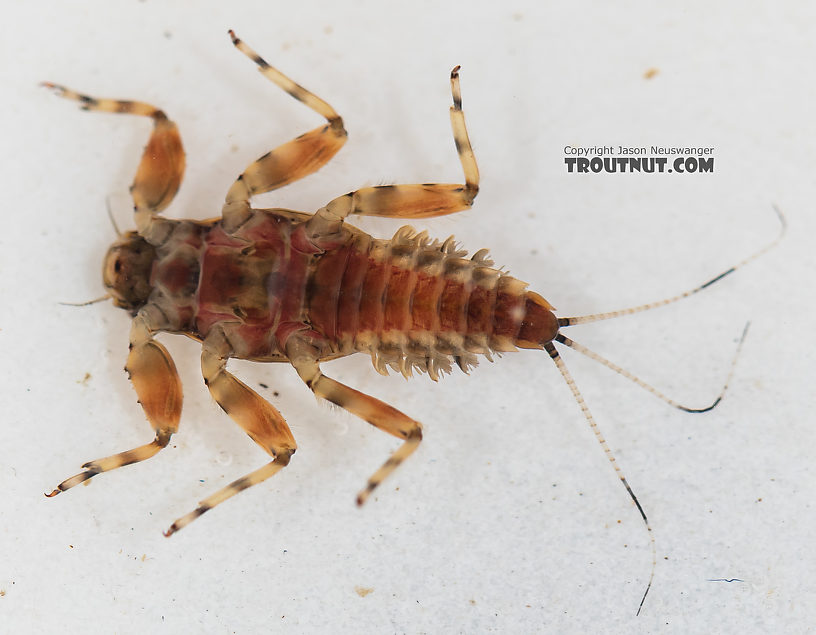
[(291, 161), (157, 384), (161, 168), (258, 418), (376, 412), (408, 201)]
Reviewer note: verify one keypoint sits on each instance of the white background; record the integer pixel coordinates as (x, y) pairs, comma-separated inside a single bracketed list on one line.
[(508, 518)]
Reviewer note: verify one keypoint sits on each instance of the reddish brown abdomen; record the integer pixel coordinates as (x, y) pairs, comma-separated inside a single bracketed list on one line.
[(409, 301)]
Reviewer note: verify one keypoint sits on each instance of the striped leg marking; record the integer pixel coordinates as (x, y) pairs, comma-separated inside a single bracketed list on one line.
[(409, 201), (253, 478), (157, 384), (376, 412), (162, 166), (291, 161), (256, 416)]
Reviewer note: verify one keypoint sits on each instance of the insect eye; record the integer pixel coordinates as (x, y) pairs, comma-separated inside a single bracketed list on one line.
[(117, 266)]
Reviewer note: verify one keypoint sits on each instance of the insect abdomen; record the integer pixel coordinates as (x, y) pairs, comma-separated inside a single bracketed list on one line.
[(418, 304)]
